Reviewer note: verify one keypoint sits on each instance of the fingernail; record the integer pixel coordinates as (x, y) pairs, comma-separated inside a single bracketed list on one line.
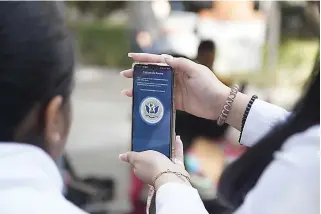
[(121, 73), (123, 92), (130, 54), (178, 137)]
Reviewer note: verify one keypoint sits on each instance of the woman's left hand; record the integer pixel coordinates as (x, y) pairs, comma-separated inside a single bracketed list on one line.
[(148, 164)]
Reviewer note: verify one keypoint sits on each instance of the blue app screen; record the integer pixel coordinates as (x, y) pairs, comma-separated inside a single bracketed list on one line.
[(152, 108)]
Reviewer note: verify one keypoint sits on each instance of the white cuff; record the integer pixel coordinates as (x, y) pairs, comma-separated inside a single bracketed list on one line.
[(262, 117), (176, 198)]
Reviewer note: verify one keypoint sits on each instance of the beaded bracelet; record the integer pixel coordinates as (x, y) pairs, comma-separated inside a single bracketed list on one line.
[(228, 105), (246, 113)]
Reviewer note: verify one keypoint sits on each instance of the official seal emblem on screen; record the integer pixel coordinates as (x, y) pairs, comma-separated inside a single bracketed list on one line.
[(151, 110)]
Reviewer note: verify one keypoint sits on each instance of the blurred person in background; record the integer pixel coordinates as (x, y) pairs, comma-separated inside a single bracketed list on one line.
[(279, 173), (206, 53)]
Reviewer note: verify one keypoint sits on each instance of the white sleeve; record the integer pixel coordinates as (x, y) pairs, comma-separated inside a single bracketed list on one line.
[(291, 183), (176, 198), (261, 118)]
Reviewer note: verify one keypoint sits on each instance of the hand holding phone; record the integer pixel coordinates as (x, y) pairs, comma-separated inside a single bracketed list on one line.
[(153, 112)]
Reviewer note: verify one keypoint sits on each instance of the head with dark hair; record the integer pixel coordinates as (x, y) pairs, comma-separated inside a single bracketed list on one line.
[(36, 75), (206, 53)]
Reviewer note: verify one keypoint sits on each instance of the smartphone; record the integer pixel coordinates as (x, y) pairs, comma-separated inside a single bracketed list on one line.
[(153, 110)]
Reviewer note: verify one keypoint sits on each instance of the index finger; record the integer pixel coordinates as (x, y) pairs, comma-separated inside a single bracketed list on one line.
[(145, 57)]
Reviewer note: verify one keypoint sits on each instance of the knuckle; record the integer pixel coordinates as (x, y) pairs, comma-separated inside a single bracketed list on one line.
[(180, 62)]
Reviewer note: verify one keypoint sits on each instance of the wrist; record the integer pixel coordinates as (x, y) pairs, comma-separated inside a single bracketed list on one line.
[(235, 116), (170, 178), (219, 102)]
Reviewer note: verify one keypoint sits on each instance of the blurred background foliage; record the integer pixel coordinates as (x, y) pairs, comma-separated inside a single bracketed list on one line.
[(98, 9), (103, 41), (99, 41), (102, 44)]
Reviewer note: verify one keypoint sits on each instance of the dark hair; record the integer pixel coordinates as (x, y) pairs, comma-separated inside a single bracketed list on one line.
[(240, 177), (206, 45), (36, 60)]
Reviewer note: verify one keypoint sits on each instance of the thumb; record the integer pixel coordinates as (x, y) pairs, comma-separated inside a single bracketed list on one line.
[(182, 64), (178, 151), (130, 157)]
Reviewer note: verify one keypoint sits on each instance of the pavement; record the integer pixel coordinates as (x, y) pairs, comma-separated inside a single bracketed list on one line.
[(101, 130)]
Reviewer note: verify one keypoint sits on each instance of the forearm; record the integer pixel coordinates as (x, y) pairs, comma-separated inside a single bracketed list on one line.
[(262, 117)]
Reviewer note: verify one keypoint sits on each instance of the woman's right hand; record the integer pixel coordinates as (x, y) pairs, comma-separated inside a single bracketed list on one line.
[(197, 92)]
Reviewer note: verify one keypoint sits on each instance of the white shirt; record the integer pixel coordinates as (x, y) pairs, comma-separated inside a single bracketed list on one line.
[(289, 185), (30, 181)]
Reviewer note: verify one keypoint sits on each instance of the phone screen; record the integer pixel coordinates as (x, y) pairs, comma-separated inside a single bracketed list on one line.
[(152, 108)]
